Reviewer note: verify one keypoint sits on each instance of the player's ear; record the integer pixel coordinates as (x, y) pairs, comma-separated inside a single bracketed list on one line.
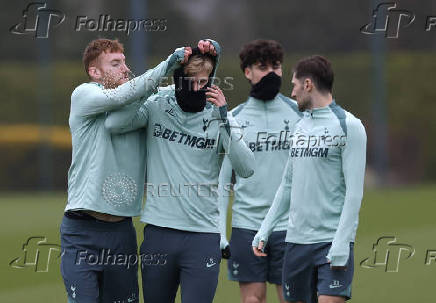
[(308, 85), (94, 73), (248, 73)]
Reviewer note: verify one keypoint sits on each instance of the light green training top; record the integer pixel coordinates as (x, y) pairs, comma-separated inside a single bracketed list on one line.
[(322, 185), (266, 127), (102, 176), (184, 156)]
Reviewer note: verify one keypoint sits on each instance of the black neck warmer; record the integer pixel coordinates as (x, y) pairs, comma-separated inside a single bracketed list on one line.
[(189, 100), (267, 88)]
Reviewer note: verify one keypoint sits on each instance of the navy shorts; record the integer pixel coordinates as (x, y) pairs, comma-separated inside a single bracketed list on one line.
[(171, 257), (99, 260), (244, 266), (307, 274)]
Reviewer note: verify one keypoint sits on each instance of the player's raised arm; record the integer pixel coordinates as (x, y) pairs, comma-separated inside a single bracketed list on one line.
[(279, 207), (223, 203), (135, 115), (353, 167), (128, 118), (98, 97)]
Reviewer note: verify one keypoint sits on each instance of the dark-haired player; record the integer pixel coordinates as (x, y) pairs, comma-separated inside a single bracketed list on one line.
[(267, 118), (322, 188)]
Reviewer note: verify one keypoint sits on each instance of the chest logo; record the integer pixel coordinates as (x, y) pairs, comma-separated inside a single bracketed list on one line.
[(286, 124), (205, 124), (170, 112), (245, 124)]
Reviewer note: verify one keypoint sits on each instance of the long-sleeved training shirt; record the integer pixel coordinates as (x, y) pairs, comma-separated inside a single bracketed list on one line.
[(267, 128), (322, 185), (102, 176), (184, 156)]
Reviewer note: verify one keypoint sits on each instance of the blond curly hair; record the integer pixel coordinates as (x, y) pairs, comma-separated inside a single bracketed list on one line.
[(196, 64)]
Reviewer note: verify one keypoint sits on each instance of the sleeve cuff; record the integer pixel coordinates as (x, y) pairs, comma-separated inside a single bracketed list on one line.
[(259, 238), (220, 112), (338, 260)]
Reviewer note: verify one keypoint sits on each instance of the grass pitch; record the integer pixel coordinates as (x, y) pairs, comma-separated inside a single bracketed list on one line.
[(408, 214)]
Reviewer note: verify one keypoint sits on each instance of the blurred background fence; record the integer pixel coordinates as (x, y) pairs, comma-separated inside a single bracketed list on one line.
[(388, 83)]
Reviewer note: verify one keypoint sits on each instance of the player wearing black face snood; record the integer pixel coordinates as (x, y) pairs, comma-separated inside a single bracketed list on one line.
[(267, 88), (267, 119), (183, 148), (189, 100)]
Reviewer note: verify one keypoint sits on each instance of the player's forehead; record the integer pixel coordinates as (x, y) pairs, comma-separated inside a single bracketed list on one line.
[(112, 56), (261, 64), (203, 74)]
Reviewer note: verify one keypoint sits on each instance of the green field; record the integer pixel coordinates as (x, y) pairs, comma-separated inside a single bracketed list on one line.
[(404, 213)]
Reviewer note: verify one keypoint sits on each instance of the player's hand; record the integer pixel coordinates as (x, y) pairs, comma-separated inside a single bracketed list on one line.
[(188, 52), (258, 251), (215, 95), (225, 253), (344, 268), (206, 46)]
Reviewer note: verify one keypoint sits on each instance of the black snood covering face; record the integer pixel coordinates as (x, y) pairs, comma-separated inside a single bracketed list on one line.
[(189, 100), (267, 88)]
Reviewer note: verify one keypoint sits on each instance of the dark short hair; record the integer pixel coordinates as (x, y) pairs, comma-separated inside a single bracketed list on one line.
[(317, 68), (98, 46), (262, 51)]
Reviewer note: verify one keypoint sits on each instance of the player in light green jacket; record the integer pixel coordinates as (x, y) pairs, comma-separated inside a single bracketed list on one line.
[(321, 188), (268, 118), (105, 187), (186, 138)]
